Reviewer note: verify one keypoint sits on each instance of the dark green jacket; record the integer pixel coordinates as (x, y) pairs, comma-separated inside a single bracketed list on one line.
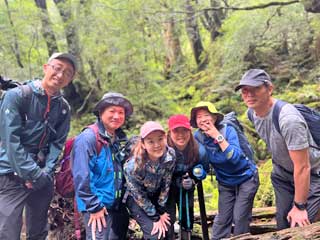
[(25, 129)]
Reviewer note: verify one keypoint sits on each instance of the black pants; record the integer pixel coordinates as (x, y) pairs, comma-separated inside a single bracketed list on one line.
[(13, 198), (174, 202)]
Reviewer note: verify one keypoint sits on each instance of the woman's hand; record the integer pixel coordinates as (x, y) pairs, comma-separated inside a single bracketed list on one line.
[(210, 129), (97, 219), (160, 226), (165, 219)]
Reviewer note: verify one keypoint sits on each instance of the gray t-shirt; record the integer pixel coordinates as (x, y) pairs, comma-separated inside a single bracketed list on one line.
[(295, 135)]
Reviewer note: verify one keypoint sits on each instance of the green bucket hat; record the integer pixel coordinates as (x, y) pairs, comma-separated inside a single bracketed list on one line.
[(209, 107)]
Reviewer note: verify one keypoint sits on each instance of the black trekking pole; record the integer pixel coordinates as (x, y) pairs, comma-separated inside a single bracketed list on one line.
[(203, 215)]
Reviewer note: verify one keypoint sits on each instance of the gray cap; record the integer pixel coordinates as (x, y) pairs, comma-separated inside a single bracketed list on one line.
[(113, 99), (253, 78), (72, 59)]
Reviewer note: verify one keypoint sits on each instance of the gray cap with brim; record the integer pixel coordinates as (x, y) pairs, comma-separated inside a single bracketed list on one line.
[(113, 99), (72, 59), (254, 78)]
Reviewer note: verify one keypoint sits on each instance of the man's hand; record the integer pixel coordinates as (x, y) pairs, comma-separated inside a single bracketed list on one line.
[(45, 179), (97, 219), (28, 184), (298, 217)]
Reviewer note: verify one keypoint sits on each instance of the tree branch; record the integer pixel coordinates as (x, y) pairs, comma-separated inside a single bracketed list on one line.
[(270, 4)]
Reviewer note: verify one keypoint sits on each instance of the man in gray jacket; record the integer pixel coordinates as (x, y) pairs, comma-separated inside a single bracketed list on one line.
[(34, 123), (296, 166)]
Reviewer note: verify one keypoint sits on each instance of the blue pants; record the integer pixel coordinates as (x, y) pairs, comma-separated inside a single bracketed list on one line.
[(283, 185), (117, 225), (235, 206), (13, 198)]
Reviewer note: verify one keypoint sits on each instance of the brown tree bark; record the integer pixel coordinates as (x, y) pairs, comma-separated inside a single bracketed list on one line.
[(308, 232), (71, 92), (212, 20), (172, 45), (312, 6), (193, 33), (46, 30), (15, 46)]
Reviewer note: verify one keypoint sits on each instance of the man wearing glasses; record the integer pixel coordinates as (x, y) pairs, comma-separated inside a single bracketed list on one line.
[(34, 123), (295, 175)]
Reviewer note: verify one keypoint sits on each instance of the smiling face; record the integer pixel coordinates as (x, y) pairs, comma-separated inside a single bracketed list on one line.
[(58, 74), (155, 144), (203, 116), (180, 136), (113, 117)]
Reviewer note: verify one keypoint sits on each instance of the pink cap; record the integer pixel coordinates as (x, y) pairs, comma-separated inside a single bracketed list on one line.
[(149, 127), (179, 120)]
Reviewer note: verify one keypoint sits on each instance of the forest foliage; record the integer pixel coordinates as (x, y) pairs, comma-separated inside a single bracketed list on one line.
[(165, 56)]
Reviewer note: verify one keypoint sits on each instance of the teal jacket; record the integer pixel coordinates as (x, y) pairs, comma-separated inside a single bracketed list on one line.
[(24, 130)]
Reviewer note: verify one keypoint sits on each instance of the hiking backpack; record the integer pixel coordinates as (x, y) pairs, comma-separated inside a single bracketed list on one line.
[(64, 178), (311, 117), (6, 84), (231, 120)]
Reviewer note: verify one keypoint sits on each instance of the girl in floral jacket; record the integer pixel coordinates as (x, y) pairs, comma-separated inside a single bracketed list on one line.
[(148, 173)]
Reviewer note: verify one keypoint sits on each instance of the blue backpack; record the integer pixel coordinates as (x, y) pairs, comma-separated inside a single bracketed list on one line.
[(311, 117), (231, 120)]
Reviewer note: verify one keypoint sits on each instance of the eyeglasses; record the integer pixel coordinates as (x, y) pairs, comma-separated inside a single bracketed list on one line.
[(66, 73)]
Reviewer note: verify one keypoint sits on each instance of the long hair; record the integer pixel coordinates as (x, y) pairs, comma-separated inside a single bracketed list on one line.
[(192, 149), (140, 155)]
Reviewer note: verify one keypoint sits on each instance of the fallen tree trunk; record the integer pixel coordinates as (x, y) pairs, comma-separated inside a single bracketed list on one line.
[(309, 232)]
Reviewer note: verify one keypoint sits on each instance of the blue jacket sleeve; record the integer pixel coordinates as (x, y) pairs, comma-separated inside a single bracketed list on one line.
[(84, 148), (203, 158), (232, 153), (11, 127)]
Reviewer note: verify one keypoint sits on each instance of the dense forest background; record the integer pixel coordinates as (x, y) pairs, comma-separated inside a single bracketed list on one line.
[(167, 55)]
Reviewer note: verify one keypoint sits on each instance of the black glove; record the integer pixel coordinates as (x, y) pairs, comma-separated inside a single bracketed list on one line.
[(45, 179), (187, 182)]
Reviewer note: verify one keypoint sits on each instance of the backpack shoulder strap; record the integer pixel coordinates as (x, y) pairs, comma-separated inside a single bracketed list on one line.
[(199, 136), (26, 91), (276, 112), (99, 141), (223, 129), (250, 114)]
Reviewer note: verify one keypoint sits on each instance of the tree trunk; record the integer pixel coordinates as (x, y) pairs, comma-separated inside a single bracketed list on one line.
[(46, 29), (194, 35), (212, 19), (312, 6), (15, 48), (71, 92), (308, 232), (172, 46)]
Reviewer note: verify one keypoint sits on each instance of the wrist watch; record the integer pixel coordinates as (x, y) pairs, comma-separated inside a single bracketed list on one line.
[(220, 138), (300, 206)]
